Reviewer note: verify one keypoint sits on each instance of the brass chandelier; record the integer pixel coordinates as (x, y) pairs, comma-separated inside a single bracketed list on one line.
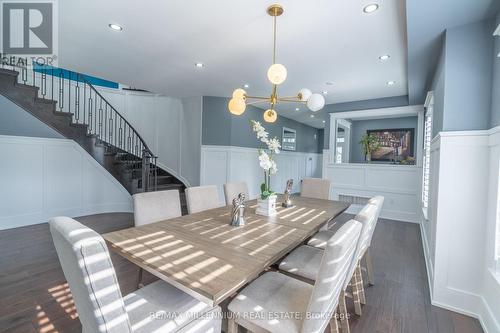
[(276, 74)]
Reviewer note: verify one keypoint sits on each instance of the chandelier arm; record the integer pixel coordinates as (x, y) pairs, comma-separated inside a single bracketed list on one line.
[(257, 102), (289, 97), (257, 97)]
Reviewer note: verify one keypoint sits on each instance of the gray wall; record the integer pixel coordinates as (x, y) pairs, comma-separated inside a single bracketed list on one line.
[(219, 127), (464, 84), (495, 91), (359, 128), (438, 88), (378, 103), (468, 75), (14, 120)]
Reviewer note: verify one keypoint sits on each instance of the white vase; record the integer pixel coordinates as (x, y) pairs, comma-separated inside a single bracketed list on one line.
[(266, 207)]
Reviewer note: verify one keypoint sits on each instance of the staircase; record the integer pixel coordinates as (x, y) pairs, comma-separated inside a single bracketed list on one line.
[(69, 104)]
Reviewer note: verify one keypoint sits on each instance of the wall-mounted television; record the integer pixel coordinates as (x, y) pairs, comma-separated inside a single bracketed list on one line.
[(396, 145)]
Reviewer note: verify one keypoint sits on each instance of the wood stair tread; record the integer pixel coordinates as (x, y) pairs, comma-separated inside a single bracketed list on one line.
[(124, 166)]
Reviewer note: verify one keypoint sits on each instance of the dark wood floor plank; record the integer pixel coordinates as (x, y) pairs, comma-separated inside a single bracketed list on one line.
[(34, 296)]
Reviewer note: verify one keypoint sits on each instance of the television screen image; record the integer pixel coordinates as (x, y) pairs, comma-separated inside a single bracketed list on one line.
[(396, 145)]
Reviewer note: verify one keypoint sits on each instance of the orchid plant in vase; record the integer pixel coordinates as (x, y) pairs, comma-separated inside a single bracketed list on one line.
[(267, 201)]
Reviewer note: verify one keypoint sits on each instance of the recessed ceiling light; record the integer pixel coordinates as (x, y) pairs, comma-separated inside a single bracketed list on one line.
[(199, 65), (391, 83), (312, 116), (370, 8), (115, 27), (329, 83), (297, 109), (325, 92), (246, 85), (324, 121), (384, 57)]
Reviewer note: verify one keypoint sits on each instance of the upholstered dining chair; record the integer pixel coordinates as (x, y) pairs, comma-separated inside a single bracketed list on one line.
[(316, 188), (304, 262), (200, 198), (150, 207), (314, 306), (91, 277), (319, 239), (231, 191)]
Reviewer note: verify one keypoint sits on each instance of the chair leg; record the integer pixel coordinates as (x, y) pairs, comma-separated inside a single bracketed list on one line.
[(334, 325), (139, 279), (357, 286), (344, 315), (369, 267), (362, 297), (232, 326)]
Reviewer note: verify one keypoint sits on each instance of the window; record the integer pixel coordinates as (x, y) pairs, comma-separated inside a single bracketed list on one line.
[(427, 152)]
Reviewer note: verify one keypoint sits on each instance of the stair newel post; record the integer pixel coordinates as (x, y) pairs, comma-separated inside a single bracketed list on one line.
[(145, 170), (156, 173), (52, 83)]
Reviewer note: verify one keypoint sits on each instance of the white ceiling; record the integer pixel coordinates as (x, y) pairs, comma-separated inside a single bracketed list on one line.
[(318, 41)]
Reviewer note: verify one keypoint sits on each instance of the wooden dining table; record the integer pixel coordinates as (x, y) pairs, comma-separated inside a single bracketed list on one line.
[(206, 257)]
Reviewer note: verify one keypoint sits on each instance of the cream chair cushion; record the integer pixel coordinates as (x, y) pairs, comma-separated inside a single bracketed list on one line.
[(231, 191), (320, 239), (273, 293), (150, 207), (92, 280), (316, 188), (200, 198), (304, 261), (147, 307), (367, 214)]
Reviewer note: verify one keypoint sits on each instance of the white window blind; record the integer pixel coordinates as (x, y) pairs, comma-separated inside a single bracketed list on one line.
[(427, 157)]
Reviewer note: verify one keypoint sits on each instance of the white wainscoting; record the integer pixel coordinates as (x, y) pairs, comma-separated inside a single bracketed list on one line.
[(222, 164), (399, 184), (170, 126), (458, 235), (41, 178)]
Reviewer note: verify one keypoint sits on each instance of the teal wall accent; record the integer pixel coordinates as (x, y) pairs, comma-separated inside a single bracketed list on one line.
[(219, 127), (70, 75)]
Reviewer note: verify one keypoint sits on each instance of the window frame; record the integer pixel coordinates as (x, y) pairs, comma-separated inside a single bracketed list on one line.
[(426, 152)]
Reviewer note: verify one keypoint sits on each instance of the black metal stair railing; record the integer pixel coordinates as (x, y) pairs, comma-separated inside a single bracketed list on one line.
[(74, 94)]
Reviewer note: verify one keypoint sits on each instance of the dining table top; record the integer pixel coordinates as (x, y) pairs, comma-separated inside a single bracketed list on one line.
[(206, 257)]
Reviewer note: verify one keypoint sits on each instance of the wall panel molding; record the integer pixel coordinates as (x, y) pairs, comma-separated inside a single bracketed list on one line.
[(42, 178), (397, 183), (221, 164), (458, 235)]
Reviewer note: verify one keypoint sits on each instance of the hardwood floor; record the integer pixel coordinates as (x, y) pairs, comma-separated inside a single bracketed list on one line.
[(35, 298)]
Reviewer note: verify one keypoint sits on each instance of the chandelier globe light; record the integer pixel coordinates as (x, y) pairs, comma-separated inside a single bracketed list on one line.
[(270, 116), (276, 74)]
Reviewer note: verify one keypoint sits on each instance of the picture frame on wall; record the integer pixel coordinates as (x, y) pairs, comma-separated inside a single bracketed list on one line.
[(396, 145), (289, 139)]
